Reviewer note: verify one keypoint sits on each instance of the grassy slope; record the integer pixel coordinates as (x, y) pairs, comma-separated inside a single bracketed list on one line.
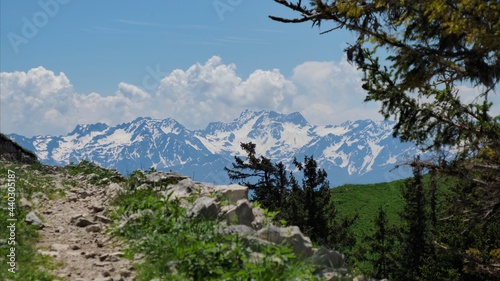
[(365, 200)]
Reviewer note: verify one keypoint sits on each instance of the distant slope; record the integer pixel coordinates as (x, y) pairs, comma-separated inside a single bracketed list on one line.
[(365, 200)]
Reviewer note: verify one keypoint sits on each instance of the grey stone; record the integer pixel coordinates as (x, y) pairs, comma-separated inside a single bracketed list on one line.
[(103, 219), (239, 229), (49, 253), (93, 228), (301, 244), (233, 193), (240, 214), (83, 222), (164, 178), (59, 247), (184, 189), (259, 216), (325, 258), (33, 219), (97, 207), (92, 177), (103, 257), (25, 204), (90, 255), (125, 273), (205, 208), (117, 277)]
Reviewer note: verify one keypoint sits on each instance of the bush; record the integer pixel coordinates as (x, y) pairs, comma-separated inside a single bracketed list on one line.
[(176, 247)]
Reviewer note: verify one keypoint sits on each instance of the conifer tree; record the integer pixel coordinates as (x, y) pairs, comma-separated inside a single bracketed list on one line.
[(307, 205), (260, 175), (414, 245), (381, 246)]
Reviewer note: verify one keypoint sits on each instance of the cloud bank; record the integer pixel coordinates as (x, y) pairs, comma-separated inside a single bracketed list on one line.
[(40, 101)]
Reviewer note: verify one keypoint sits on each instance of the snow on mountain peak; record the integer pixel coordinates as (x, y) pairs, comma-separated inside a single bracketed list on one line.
[(360, 151)]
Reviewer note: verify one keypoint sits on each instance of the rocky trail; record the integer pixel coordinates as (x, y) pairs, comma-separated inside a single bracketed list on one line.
[(74, 234)]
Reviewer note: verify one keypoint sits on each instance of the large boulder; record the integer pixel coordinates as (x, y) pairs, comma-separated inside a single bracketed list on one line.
[(241, 230), (184, 189), (325, 258), (205, 208), (292, 235), (241, 213), (233, 193)]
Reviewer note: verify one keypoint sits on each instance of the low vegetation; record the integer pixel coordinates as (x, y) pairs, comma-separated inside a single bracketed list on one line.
[(31, 265), (175, 247)]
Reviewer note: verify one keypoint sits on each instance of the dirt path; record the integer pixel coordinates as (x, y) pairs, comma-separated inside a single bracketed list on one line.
[(75, 235)]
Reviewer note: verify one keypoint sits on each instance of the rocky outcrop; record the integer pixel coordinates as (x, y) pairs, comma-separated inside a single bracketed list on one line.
[(13, 152), (230, 205)]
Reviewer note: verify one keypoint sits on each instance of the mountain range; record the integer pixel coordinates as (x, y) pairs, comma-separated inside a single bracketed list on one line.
[(362, 151)]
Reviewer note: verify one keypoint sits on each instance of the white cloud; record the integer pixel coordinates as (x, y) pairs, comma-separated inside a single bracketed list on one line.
[(214, 92), (42, 102), (331, 93)]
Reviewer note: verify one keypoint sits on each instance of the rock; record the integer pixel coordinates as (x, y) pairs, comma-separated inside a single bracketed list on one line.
[(93, 228), (73, 218), (117, 277), (240, 214), (104, 181), (84, 194), (301, 244), (233, 193), (59, 247), (92, 177), (49, 253), (125, 273), (83, 222), (331, 276), (324, 258), (33, 219), (71, 198), (259, 258), (25, 204), (184, 189), (259, 216), (90, 255), (103, 257), (112, 257), (239, 229), (113, 190), (103, 219), (164, 178), (205, 208), (97, 207)]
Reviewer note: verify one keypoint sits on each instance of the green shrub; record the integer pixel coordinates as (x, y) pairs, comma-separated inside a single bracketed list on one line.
[(176, 247)]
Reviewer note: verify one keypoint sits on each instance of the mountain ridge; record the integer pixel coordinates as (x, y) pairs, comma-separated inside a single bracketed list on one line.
[(361, 151)]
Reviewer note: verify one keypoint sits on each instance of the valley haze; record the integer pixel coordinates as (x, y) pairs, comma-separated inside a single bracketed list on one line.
[(357, 152)]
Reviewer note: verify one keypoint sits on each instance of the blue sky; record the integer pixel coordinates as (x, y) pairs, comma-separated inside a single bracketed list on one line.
[(99, 44), (67, 62)]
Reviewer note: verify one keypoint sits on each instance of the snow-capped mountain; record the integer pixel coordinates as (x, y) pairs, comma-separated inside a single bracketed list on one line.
[(362, 151)]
